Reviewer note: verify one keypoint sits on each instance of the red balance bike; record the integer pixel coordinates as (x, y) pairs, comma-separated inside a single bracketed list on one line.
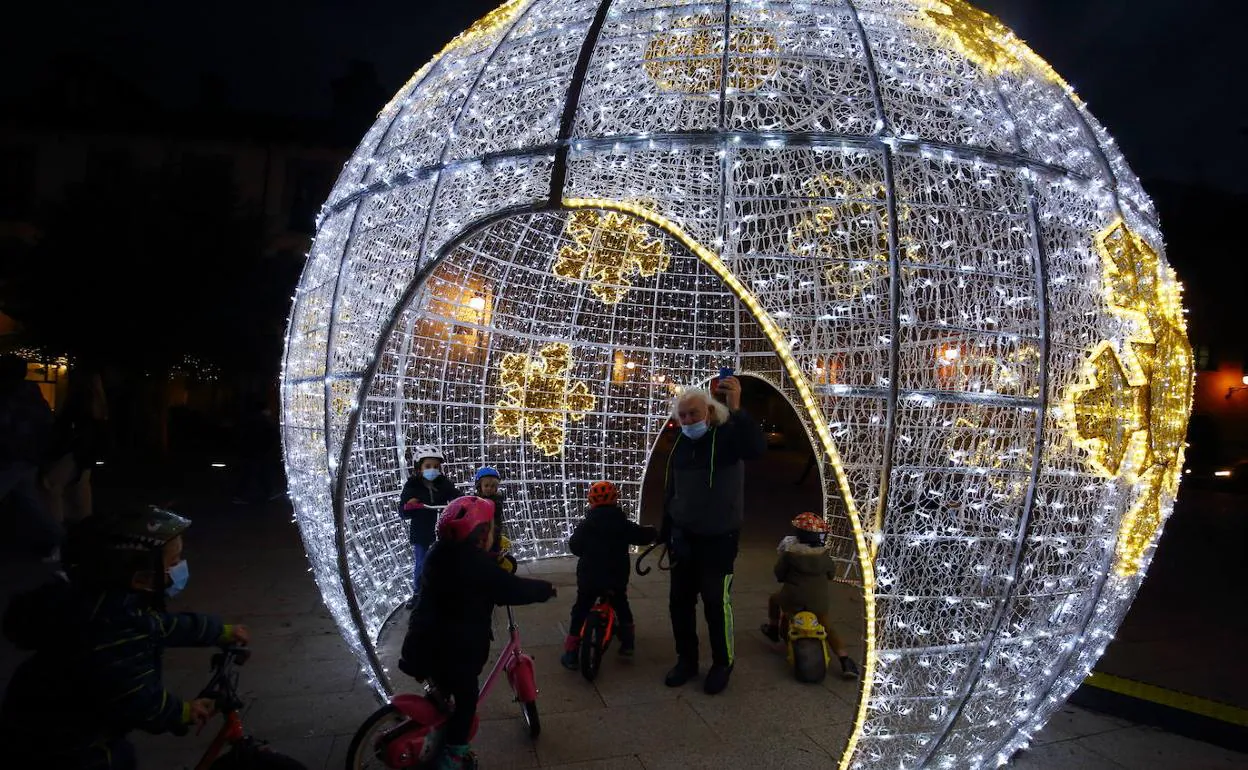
[(596, 634), (407, 732), (245, 752)]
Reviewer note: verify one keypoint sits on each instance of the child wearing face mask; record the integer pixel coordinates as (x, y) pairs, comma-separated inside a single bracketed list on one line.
[(426, 486), (99, 632)]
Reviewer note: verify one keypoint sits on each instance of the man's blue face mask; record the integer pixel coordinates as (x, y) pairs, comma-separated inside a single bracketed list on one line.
[(695, 430)]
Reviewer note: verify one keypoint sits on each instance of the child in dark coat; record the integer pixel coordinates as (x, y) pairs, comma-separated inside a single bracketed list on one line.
[(448, 636), (601, 541), (425, 487), (99, 637), (804, 567)]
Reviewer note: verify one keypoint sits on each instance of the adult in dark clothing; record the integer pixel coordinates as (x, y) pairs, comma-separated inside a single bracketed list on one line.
[(601, 542), (448, 636), (425, 486), (80, 439), (99, 638), (702, 513), (25, 435)]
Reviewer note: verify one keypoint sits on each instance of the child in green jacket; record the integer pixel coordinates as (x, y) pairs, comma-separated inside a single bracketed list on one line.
[(804, 567)]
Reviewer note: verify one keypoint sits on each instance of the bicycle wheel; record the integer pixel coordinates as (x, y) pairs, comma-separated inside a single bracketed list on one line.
[(368, 747), (532, 721), (591, 647)]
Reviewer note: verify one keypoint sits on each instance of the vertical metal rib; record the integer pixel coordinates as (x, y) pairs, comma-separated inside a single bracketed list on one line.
[(567, 122), (339, 487), (894, 278), (1037, 455)]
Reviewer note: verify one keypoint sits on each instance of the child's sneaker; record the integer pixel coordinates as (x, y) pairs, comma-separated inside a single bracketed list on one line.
[(457, 758), (771, 631), (571, 658), (628, 640), (849, 669)]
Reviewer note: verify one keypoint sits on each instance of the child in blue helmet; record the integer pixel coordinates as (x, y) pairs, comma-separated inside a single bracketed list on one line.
[(487, 481)]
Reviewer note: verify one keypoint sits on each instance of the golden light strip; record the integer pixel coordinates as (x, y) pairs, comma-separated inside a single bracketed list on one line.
[(781, 345), (483, 26), (983, 39)]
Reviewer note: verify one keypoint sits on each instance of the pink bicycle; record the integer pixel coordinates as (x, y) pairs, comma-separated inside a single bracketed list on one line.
[(407, 732)]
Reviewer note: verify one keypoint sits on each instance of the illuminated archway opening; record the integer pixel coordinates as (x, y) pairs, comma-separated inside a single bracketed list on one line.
[(556, 379)]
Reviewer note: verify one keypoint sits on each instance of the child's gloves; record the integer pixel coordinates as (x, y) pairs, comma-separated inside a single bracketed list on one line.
[(198, 711), (413, 505), (235, 635), (508, 563)]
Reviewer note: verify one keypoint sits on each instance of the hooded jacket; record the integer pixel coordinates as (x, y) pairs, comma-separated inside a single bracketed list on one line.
[(805, 571), (601, 540), (705, 478), (96, 670), (424, 521), (449, 629)]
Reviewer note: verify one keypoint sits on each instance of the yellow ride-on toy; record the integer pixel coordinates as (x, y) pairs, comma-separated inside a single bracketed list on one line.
[(807, 648)]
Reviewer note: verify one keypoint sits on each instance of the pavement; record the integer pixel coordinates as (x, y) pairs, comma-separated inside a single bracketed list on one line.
[(307, 696)]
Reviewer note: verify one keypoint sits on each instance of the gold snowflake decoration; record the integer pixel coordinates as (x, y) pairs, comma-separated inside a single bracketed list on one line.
[(1130, 411), (539, 398), (1140, 524), (606, 248), (982, 38), (851, 233), (1108, 412), (688, 59)]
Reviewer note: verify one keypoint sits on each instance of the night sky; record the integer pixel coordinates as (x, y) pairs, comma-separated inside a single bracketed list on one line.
[(1165, 76)]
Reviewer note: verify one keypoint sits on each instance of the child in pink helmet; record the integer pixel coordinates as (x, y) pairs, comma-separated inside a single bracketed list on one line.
[(448, 636)]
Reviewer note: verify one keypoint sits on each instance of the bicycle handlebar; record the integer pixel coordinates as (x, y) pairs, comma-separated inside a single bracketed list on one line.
[(222, 688)]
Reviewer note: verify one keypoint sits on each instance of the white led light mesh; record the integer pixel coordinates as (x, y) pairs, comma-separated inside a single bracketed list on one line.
[(892, 210)]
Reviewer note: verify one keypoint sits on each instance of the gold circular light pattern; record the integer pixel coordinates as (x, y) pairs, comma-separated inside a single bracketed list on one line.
[(892, 210)]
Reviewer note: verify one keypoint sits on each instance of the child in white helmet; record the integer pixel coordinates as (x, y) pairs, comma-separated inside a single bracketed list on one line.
[(426, 486)]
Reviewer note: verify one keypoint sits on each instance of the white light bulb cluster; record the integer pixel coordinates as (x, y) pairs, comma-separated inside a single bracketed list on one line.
[(891, 210)]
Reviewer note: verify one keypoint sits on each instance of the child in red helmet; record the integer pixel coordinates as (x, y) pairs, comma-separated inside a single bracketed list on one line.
[(448, 636), (601, 541), (805, 566)]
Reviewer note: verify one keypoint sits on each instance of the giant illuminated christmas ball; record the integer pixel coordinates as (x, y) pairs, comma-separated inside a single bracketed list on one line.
[(892, 210)]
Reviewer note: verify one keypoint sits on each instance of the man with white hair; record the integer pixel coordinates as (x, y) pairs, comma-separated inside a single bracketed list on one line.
[(703, 509)]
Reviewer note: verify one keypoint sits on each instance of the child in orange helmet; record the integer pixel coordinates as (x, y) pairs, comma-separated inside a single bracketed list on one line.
[(804, 567), (601, 541)]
